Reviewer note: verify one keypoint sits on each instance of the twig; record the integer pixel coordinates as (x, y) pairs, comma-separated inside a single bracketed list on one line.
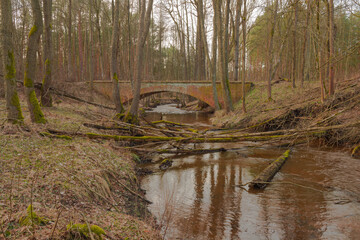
[(56, 222)]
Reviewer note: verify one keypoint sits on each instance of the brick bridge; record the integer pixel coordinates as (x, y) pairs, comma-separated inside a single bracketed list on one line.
[(200, 89)]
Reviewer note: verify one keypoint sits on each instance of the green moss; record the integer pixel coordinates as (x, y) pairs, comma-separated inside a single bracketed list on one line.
[(115, 77), (192, 130), (16, 103), (83, 230), (355, 151), (38, 116), (119, 116), (165, 164), (33, 30), (132, 119), (32, 218)]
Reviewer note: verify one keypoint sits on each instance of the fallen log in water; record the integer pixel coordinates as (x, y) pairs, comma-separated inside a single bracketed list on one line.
[(268, 173), (180, 151), (170, 123)]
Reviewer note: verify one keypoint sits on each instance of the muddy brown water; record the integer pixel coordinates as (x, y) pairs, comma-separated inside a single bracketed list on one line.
[(316, 195)]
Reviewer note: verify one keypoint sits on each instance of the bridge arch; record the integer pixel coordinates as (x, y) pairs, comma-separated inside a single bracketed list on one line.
[(199, 90)]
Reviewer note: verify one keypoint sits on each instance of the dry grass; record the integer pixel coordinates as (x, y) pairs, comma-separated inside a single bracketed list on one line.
[(78, 180)]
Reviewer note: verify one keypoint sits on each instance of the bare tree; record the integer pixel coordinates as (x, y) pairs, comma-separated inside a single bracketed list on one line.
[(46, 100), (237, 38), (244, 20), (30, 64), (70, 53), (294, 75), (305, 40), (144, 24), (114, 53), (14, 113), (222, 52), (319, 52), (271, 47), (331, 50), (213, 63), (90, 53)]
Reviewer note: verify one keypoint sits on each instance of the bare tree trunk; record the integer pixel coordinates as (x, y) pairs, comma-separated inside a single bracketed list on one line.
[(214, 60), (98, 27), (81, 46), (331, 46), (304, 46), (294, 75), (13, 108), (70, 56), (30, 64), (200, 52), (244, 20), (114, 51), (129, 45), (46, 99), (319, 52), (222, 53), (271, 48), (144, 24), (90, 54), (237, 38)]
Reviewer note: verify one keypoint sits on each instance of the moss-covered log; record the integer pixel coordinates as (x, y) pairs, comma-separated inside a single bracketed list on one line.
[(182, 139), (268, 173)]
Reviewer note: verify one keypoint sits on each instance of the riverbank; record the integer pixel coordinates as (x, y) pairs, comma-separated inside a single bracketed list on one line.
[(299, 108), (72, 184)]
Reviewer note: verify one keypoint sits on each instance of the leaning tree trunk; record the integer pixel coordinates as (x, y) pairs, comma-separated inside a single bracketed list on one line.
[(144, 24), (46, 99), (14, 113), (36, 114), (114, 51)]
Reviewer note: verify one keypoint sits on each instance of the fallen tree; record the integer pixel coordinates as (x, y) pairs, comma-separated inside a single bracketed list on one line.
[(261, 180), (180, 151)]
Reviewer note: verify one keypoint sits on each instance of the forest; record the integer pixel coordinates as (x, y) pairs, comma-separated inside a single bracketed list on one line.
[(98, 97)]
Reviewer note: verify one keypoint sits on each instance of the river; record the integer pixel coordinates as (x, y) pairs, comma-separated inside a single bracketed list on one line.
[(316, 195)]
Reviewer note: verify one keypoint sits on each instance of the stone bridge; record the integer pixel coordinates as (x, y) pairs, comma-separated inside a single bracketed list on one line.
[(200, 89)]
